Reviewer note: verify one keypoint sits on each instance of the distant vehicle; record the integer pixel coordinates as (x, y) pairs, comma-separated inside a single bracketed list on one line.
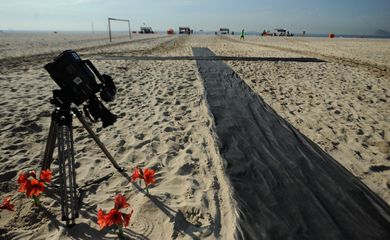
[(266, 33), (146, 30), (170, 31), (282, 32), (224, 31), (184, 30)]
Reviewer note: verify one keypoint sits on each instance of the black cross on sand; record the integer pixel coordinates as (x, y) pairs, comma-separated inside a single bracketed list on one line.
[(283, 185), (208, 58)]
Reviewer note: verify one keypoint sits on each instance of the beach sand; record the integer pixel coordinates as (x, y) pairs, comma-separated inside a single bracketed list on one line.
[(164, 123)]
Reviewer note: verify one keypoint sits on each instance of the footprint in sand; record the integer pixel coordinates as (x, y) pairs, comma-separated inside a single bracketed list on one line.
[(379, 168), (187, 169)]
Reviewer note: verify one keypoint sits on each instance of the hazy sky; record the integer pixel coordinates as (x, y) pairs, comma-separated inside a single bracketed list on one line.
[(315, 16)]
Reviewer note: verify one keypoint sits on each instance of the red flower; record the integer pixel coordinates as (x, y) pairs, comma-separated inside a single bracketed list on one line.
[(149, 176), (120, 202), (113, 217), (7, 204), (34, 188), (46, 175), (31, 185)]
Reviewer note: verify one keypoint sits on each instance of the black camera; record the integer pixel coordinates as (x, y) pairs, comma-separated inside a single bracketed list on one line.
[(76, 78)]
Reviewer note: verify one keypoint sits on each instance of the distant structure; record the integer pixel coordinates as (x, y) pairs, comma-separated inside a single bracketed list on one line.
[(282, 32), (146, 30), (224, 31), (117, 19), (278, 32), (184, 30)]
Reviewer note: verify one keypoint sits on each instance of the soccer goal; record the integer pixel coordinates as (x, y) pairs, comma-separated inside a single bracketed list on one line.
[(116, 19)]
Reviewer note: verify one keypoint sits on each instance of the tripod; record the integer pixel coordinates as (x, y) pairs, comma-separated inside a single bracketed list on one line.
[(61, 130)]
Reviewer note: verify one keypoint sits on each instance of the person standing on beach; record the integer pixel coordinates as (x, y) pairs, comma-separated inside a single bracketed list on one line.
[(242, 35)]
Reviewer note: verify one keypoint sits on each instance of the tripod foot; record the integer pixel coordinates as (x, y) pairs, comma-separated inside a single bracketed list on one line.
[(71, 225)]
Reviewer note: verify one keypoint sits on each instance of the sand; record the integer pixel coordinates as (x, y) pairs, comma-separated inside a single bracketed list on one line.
[(164, 123)]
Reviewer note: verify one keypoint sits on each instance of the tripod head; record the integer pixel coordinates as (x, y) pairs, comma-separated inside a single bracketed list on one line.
[(60, 99)]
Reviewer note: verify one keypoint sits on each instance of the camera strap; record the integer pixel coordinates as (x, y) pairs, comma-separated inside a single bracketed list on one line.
[(94, 70)]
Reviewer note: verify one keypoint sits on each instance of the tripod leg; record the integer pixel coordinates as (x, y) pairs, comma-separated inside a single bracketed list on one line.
[(72, 174), (69, 201), (50, 144), (97, 140), (62, 171)]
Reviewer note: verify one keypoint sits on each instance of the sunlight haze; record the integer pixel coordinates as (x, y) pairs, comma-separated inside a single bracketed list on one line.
[(345, 16)]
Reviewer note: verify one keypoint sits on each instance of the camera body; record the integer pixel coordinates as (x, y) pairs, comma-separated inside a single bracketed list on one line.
[(76, 78), (73, 76)]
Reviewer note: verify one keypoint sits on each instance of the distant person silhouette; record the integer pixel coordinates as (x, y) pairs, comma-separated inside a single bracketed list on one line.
[(242, 37)]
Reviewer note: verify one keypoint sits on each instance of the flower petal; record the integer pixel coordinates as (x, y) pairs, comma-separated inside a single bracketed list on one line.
[(114, 217), (22, 177), (7, 204), (46, 175), (34, 188), (136, 174), (101, 219), (120, 202), (149, 176), (126, 218)]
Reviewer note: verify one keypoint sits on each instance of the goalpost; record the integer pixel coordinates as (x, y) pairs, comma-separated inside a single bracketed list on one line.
[(116, 19)]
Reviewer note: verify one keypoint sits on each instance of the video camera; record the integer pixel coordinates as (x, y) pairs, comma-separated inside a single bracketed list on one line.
[(76, 78)]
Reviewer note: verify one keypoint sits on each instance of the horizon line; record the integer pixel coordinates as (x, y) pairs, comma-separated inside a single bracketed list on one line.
[(200, 30)]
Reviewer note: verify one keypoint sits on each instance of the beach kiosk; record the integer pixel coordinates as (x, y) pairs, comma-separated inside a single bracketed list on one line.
[(280, 32), (184, 30), (224, 31), (146, 30)]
